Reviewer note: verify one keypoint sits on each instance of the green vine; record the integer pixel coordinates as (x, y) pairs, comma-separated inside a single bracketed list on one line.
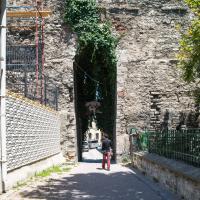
[(84, 18), (95, 54)]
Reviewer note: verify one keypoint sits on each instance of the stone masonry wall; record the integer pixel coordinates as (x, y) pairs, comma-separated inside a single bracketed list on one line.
[(32, 132), (178, 177), (150, 92), (60, 47)]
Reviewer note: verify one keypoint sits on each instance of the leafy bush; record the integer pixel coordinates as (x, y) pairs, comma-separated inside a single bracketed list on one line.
[(189, 55)]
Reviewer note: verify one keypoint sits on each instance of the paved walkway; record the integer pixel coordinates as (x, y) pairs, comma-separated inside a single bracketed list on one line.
[(88, 181)]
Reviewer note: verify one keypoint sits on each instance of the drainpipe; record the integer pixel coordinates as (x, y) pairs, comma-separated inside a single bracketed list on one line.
[(3, 164)]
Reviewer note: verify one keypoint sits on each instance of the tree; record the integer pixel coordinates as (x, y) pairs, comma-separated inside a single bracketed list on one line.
[(189, 55)]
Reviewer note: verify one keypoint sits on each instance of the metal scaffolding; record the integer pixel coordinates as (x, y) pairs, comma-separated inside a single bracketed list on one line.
[(26, 14), (25, 62)]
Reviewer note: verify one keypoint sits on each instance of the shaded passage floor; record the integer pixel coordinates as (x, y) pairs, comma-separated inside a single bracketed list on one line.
[(92, 156), (89, 181)]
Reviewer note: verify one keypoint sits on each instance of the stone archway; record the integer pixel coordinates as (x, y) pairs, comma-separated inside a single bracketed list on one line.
[(146, 65), (83, 114)]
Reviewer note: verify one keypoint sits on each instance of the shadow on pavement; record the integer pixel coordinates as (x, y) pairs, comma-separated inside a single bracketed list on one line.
[(94, 186)]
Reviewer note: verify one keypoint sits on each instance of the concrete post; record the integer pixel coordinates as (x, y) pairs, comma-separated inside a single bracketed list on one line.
[(3, 164)]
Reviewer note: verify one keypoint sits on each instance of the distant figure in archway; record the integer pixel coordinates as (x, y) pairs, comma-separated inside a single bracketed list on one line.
[(107, 151)]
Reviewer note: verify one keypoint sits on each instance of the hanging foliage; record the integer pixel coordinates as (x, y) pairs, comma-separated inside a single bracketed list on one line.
[(96, 55), (84, 18)]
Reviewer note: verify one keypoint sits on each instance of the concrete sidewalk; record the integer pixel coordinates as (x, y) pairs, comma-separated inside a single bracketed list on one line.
[(89, 181)]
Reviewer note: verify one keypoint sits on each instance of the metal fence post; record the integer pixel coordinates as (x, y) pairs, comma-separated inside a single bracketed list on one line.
[(56, 98), (45, 91), (3, 157), (131, 147), (25, 83)]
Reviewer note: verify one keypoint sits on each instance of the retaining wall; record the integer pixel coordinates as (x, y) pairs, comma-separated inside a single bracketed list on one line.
[(180, 178)]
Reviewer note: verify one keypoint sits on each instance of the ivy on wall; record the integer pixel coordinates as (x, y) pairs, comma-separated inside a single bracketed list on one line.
[(84, 18), (96, 56)]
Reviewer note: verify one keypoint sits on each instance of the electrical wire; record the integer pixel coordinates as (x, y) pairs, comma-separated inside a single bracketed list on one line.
[(39, 11), (92, 79)]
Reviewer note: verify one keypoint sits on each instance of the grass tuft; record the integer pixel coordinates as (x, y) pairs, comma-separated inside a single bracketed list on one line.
[(49, 171), (57, 169)]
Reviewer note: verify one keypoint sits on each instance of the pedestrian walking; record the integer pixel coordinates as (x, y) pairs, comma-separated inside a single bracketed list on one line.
[(107, 151)]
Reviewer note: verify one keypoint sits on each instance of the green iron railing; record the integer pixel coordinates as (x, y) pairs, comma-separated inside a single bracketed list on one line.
[(181, 145)]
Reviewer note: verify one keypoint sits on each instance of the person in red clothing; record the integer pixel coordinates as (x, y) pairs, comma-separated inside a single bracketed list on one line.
[(106, 149)]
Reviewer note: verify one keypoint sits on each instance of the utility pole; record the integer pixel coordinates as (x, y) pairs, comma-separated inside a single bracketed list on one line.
[(3, 161)]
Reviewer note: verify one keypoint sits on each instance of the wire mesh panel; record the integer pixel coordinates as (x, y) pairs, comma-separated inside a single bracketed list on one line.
[(33, 133)]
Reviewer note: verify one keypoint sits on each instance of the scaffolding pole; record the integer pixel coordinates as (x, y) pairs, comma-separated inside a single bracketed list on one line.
[(3, 161), (43, 59), (27, 14), (37, 52)]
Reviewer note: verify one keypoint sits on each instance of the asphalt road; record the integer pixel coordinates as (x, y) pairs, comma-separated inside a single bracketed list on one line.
[(88, 181)]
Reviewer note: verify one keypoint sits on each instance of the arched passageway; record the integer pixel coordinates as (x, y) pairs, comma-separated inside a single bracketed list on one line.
[(95, 100)]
